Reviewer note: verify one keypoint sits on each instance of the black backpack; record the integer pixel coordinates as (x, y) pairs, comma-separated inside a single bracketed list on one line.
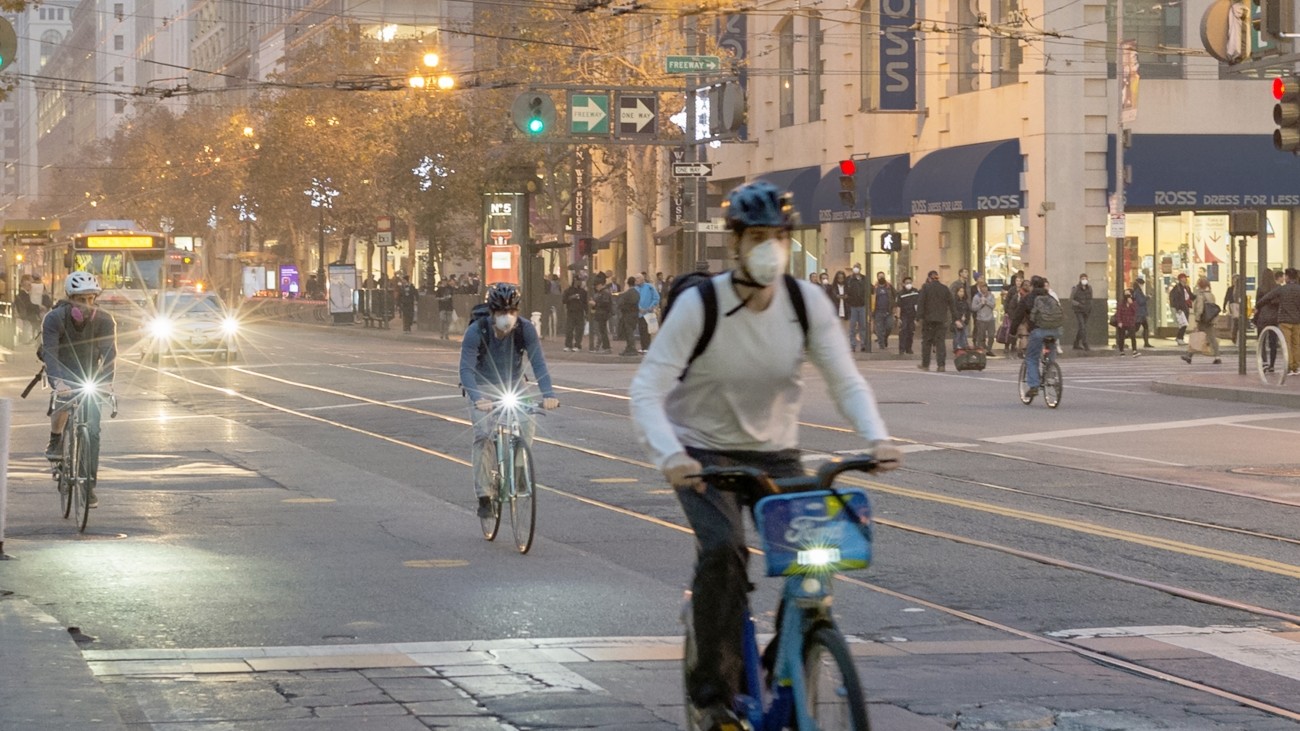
[(703, 281), (1208, 312)]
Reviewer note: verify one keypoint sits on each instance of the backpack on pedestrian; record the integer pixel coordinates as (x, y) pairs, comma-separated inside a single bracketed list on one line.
[(1047, 312), (703, 281)]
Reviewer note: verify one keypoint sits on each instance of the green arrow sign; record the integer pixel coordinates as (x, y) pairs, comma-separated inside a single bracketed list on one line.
[(692, 64), (589, 114)]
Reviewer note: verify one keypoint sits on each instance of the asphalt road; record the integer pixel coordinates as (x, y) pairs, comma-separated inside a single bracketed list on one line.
[(317, 492)]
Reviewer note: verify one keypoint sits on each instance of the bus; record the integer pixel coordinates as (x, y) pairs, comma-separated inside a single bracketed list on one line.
[(132, 266)]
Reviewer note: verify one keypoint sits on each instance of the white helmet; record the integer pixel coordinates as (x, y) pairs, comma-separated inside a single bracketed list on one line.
[(81, 283)]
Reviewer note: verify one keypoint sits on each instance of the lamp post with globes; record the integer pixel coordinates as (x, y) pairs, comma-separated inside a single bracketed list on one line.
[(427, 78)]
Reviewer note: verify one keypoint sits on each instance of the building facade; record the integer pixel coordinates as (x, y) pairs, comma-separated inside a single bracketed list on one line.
[(985, 134)]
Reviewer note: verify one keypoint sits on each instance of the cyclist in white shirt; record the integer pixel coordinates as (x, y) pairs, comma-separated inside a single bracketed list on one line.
[(738, 403)]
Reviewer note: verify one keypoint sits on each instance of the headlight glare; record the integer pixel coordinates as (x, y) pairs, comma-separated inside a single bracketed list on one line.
[(230, 326), (161, 328)]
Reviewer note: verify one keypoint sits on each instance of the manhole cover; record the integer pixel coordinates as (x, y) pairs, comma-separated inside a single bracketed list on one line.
[(1283, 471)]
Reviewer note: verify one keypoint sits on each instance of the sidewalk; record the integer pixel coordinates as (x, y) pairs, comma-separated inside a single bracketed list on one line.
[(1223, 385)]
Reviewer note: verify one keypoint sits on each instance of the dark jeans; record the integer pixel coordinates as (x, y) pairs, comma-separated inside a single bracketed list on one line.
[(643, 330), (573, 325), (1080, 330), (1122, 332), (627, 331), (599, 339), (1146, 331), (721, 581), (1270, 345), (932, 335), (906, 334)]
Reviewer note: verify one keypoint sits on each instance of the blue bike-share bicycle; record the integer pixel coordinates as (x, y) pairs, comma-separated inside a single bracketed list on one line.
[(809, 531)]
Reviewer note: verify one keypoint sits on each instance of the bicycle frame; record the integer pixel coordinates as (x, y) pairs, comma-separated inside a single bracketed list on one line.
[(804, 609), (508, 430)]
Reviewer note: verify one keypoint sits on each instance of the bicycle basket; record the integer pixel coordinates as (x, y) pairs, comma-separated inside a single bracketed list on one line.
[(810, 532)]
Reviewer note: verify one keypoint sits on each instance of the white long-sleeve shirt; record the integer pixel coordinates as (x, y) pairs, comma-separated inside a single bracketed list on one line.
[(745, 390)]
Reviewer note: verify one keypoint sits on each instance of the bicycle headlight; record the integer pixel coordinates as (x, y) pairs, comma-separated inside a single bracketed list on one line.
[(90, 387), (161, 328), (818, 557), (509, 401), (229, 326)]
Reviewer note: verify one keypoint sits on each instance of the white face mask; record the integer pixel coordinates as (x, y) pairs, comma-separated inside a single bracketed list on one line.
[(857, 270), (505, 322), (766, 261), (1083, 282)]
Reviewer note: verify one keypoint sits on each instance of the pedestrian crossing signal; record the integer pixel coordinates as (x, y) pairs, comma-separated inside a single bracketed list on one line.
[(891, 241)]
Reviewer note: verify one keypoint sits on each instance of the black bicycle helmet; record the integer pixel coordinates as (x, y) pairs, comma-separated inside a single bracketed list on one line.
[(502, 297), (759, 203)]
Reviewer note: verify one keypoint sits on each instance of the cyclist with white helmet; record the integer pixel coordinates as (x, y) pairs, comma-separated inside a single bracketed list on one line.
[(491, 367), (737, 403), (79, 346)]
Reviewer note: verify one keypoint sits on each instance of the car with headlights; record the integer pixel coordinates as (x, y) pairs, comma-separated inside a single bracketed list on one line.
[(190, 324)]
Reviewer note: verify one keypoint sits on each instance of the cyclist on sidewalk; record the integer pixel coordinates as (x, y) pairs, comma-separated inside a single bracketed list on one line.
[(78, 346), (738, 404), (491, 365), (1038, 331)]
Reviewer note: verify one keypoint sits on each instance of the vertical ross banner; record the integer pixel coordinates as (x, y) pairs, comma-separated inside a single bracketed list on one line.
[(897, 55)]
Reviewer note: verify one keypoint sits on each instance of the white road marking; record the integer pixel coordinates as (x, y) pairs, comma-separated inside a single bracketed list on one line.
[(396, 401), (1127, 428), (1277, 653)]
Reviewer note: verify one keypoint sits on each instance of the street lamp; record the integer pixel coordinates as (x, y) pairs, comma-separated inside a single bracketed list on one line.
[(421, 79)]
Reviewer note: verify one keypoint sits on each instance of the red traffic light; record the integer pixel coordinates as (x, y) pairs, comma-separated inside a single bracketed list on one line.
[(1279, 88), (848, 167)]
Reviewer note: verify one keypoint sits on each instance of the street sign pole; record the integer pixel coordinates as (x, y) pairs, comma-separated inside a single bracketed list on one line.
[(692, 150)]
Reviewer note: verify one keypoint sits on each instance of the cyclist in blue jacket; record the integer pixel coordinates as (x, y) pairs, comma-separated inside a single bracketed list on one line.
[(491, 366)]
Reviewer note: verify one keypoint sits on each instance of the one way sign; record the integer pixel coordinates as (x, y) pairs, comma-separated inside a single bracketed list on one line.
[(692, 169), (638, 114)]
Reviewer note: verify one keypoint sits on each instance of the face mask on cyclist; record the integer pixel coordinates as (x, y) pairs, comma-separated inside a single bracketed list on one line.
[(765, 262), (505, 322), (81, 312)]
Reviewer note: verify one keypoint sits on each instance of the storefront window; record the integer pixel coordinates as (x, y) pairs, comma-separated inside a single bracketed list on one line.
[(1163, 245), (1003, 238), (807, 252)]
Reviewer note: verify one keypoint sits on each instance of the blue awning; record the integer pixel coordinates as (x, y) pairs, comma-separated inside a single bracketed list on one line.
[(879, 180), (800, 182), (1185, 172), (981, 177)]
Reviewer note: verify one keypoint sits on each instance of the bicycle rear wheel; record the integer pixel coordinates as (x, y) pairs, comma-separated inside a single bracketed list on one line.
[(84, 477), (1273, 374), (1025, 397), (834, 694), (1052, 385), (523, 498)]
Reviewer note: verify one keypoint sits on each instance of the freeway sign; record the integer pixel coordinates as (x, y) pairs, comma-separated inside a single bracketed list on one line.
[(692, 169), (637, 114), (692, 64), (589, 114)]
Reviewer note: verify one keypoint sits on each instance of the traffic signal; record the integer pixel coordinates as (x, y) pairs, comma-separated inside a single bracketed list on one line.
[(848, 183), (8, 44), (533, 113), (1286, 113), (891, 241)]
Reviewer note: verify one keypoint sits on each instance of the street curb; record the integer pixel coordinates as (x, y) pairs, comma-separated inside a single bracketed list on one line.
[(1257, 396)]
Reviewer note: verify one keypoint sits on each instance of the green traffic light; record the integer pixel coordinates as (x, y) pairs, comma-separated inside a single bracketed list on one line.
[(536, 126)]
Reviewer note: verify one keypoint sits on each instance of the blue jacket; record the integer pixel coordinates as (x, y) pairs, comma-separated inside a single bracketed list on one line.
[(502, 364), (649, 297)]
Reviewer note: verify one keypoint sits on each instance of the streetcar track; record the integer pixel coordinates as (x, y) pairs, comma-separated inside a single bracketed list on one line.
[(1096, 656), (1286, 569)]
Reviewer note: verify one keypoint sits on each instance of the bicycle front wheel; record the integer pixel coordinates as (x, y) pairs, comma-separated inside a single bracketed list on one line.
[(85, 477), (1271, 356), (1052, 385), (1025, 397), (523, 498), (833, 692), (63, 475)]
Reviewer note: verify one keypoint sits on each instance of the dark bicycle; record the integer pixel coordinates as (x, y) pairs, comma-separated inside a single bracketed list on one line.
[(1049, 377), (77, 469)]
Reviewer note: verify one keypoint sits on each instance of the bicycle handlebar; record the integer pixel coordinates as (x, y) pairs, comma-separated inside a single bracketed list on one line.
[(749, 480)]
